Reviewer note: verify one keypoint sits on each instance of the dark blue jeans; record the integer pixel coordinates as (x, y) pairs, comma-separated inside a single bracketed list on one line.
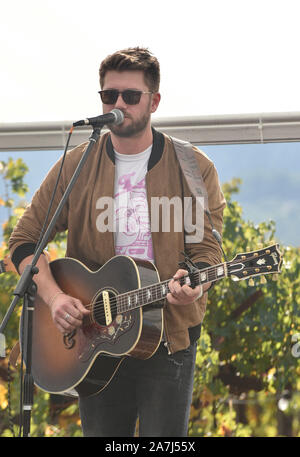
[(158, 391)]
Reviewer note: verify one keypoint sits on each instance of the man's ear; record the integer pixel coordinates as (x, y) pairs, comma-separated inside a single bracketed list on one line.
[(155, 101)]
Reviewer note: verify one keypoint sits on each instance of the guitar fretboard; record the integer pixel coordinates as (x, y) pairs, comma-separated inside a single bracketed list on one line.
[(156, 292)]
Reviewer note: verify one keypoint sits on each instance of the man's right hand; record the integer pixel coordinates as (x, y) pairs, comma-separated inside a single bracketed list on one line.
[(67, 312)]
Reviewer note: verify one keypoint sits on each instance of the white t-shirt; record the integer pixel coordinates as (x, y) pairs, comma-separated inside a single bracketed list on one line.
[(131, 215)]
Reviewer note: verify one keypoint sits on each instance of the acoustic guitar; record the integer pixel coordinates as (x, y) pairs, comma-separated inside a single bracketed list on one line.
[(126, 299)]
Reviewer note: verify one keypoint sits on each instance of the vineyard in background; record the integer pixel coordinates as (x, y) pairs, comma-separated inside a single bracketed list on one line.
[(247, 379)]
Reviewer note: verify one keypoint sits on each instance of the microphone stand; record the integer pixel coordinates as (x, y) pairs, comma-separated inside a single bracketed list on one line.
[(27, 289)]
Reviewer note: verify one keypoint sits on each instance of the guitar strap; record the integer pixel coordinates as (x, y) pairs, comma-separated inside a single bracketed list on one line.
[(190, 168)]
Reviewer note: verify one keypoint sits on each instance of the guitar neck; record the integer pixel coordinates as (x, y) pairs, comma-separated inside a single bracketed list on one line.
[(243, 266), (157, 292)]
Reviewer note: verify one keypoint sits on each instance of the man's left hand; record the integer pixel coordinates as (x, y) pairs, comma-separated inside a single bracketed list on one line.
[(183, 295)]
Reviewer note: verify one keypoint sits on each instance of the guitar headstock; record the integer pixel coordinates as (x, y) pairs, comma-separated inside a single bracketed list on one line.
[(256, 263)]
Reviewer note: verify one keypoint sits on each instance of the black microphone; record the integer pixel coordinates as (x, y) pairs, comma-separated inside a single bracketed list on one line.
[(114, 117)]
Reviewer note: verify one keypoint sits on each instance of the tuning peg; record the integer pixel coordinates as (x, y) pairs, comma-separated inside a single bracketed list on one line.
[(251, 282), (260, 245), (263, 280), (275, 277)]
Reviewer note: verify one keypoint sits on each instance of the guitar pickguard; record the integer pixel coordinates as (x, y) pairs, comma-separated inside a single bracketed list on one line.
[(96, 334)]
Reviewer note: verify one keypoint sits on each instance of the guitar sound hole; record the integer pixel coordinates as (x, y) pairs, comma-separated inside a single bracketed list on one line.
[(99, 310)]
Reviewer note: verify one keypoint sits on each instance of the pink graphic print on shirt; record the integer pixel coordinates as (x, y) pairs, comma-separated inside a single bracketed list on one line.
[(133, 235)]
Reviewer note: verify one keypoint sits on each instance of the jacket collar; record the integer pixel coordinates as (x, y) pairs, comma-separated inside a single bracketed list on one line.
[(156, 153)]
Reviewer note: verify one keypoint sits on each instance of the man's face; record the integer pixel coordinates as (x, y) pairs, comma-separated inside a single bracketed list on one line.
[(136, 117)]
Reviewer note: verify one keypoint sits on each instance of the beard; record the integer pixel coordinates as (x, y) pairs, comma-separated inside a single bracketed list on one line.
[(132, 129)]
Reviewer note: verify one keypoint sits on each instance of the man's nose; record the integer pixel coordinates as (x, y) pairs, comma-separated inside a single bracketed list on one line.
[(120, 102)]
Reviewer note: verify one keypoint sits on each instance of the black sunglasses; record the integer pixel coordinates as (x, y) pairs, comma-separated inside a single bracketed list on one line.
[(130, 96)]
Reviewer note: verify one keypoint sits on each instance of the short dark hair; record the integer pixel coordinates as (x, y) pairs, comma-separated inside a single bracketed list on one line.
[(133, 59)]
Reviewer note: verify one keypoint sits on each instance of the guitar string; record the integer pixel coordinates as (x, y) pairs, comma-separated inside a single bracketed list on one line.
[(121, 300), (122, 304), (157, 287), (154, 287), (142, 295)]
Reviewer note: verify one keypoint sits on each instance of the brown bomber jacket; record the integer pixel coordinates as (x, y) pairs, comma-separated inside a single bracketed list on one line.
[(92, 248)]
